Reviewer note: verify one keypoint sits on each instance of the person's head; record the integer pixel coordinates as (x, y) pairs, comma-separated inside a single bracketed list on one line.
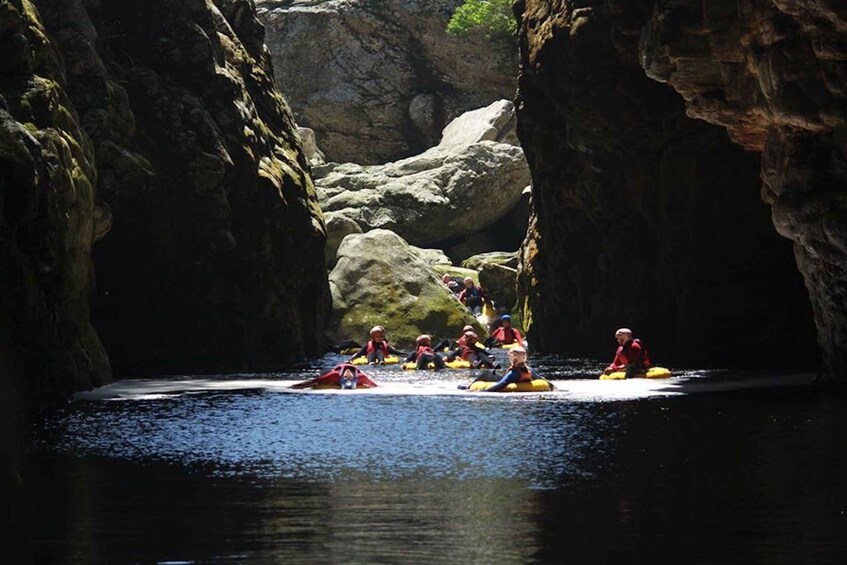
[(468, 328), (377, 333), (446, 278), (517, 356), (623, 335), (506, 320), (471, 337), (348, 378), (468, 282), (424, 340)]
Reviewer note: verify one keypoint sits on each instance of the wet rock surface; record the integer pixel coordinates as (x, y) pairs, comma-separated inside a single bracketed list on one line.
[(644, 216), (378, 81), (467, 182)]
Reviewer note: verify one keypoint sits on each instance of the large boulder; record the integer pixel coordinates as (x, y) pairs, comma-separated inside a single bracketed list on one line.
[(378, 81), (464, 184), (502, 258), (338, 226), (380, 279)]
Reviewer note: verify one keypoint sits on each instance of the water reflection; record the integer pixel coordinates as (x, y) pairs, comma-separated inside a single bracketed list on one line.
[(256, 475)]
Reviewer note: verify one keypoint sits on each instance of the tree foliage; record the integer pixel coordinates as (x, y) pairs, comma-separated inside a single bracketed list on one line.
[(492, 19)]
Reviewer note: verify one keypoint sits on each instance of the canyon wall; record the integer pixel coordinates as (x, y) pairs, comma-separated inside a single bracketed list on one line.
[(643, 215), (774, 75), (49, 221), (377, 80), (167, 113)]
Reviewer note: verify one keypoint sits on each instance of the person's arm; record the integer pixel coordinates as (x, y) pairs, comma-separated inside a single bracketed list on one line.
[(364, 381), (411, 357), (395, 351), (462, 295), (510, 376), (634, 353), (361, 352)]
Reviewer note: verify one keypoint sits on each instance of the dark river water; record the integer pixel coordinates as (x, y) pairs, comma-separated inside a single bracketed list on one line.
[(708, 467)]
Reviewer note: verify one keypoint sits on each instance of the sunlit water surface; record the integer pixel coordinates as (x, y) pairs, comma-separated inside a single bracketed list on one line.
[(708, 467)]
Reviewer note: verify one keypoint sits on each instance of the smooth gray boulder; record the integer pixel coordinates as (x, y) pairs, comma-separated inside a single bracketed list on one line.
[(378, 81), (464, 184), (338, 226), (380, 279)]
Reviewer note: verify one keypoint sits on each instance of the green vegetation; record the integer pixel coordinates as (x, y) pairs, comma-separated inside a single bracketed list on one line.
[(492, 19)]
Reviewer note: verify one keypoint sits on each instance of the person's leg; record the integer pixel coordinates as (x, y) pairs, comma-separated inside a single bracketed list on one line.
[(372, 356), (380, 356), (442, 344), (422, 362), (439, 362), (484, 360), (634, 370)]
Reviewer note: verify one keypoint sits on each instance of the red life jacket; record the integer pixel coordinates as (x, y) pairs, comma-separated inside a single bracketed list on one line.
[(373, 347), (506, 335), (467, 350), (424, 350), (644, 357), (526, 374)]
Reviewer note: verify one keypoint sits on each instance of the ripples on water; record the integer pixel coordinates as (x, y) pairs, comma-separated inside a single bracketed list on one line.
[(256, 474)]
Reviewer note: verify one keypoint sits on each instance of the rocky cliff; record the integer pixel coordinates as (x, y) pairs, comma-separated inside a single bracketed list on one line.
[(774, 75), (647, 217), (168, 113), (49, 220), (379, 79)]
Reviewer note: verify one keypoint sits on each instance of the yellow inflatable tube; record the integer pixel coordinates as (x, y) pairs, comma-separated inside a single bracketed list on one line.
[(535, 385), (457, 364), (390, 360), (652, 373)]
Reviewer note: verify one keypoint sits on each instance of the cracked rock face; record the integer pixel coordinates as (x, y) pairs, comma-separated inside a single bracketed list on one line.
[(644, 216), (378, 81)]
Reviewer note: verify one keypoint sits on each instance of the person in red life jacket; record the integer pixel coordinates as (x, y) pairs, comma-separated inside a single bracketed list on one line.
[(450, 344), (473, 351), (506, 334), (345, 376), (423, 354), (473, 297), (517, 372), (631, 355), (377, 348)]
